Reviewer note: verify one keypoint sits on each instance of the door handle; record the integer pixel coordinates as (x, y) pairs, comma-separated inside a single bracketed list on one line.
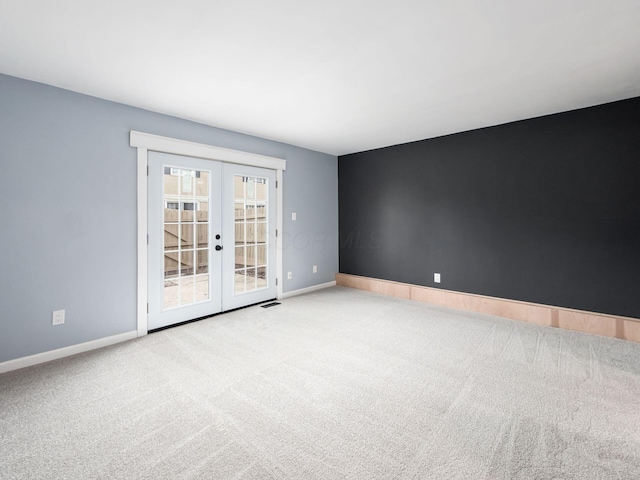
[(218, 247)]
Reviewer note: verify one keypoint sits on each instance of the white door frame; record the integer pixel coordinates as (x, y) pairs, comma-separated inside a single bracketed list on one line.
[(146, 142)]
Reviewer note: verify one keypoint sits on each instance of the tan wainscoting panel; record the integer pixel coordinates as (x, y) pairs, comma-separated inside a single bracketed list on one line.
[(352, 281), (580, 321), (587, 322), (384, 287), (525, 312), (631, 330)]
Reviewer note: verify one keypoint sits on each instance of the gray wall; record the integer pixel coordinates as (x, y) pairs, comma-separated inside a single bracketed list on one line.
[(68, 209)]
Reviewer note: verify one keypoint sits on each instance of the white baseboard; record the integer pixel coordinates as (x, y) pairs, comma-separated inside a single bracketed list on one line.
[(65, 352), (313, 288)]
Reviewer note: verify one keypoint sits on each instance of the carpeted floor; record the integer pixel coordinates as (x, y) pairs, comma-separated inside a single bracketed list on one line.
[(338, 384)]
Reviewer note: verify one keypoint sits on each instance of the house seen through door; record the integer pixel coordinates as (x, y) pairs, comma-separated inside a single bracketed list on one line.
[(211, 245)]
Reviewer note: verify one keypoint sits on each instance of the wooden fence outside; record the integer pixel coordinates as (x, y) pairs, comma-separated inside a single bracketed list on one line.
[(250, 231)]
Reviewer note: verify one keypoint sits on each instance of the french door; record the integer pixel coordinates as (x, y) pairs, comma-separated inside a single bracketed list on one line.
[(211, 242)]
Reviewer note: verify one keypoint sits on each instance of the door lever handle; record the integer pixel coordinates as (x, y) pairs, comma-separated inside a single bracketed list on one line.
[(218, 247)]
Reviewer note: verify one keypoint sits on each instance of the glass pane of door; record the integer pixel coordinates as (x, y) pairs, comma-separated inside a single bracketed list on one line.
[(249, 204), (250, 246), (186, 237)]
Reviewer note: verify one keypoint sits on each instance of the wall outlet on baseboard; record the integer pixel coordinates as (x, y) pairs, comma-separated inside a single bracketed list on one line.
[(289, 275), (436, 277), (58, 317), (315, 269)]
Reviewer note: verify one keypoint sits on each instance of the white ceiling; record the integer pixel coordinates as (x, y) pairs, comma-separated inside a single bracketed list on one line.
[(337, 76)]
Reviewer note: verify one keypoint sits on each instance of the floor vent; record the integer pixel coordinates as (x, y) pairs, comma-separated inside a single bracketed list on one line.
[(272, 304)]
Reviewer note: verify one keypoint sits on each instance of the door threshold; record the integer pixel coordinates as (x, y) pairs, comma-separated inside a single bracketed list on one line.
[(208, 316)]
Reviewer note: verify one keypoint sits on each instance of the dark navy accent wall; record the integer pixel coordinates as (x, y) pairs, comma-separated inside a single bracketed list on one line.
[(545, 210)]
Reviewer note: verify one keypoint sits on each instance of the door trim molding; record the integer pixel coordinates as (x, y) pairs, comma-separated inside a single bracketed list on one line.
[(142, 243), (146, 142), (158, 143)]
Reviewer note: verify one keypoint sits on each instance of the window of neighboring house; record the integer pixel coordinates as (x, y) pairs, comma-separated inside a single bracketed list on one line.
[(176, 172), (181, 205)]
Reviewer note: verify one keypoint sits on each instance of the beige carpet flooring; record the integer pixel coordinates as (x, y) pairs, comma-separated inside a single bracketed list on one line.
[(337, 384)]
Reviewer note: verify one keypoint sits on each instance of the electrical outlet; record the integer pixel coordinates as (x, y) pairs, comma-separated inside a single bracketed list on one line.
[(436, 277), (289, 275), (294, 216), (315, 269), (58, 317)]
